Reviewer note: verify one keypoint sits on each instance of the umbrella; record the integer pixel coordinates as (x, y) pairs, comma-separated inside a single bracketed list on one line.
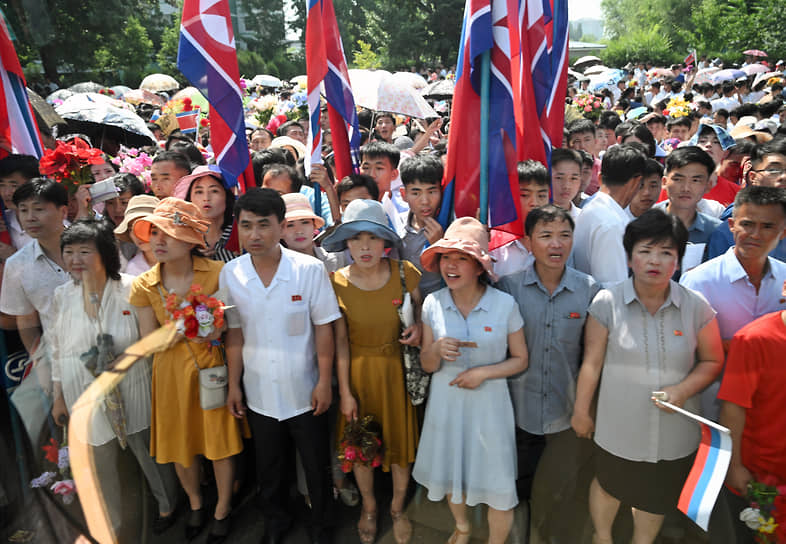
[(86, 87), (99, 119), (751, 69), (763, 78), (120, 90), (440, 89), (755, 53), (704, 75), (592, 70), (159, 82), (659, 72), (588, 59), (605, 79), (197, 99), (379, 90), (300, 81), (141, 96), (575, 75), (266, 80), (725, 75), (59, 96), (416, 81), (44, 112)]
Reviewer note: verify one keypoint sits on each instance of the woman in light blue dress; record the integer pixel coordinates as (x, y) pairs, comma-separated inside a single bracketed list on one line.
[(472, 340)]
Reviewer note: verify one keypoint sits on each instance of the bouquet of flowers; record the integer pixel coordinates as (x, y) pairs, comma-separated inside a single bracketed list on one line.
[(361, 444), (677, 107), (589, 106), (265, 107), (132, 161), (69, 163), (766, 514), (59, 481), (197, 314)]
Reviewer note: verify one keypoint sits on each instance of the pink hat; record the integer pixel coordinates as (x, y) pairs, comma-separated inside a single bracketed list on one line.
[(298, 207), (467, 235)]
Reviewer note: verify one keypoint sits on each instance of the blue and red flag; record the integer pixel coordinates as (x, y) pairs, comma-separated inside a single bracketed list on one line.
[(18, 129), (188, 121), (486, 28), (207, 57), (707, 475), (326, 64)]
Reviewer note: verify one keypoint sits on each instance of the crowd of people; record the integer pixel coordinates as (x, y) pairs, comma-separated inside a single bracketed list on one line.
[(652, 266)]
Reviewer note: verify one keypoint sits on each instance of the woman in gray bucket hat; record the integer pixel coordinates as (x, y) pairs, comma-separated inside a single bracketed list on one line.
[(368, 353)]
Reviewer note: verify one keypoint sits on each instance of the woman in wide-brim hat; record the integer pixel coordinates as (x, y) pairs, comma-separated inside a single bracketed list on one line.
[(368, 351), (473, 339), (181, 430)]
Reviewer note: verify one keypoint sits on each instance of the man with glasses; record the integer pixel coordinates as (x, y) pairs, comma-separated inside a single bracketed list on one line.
[(768, 169)]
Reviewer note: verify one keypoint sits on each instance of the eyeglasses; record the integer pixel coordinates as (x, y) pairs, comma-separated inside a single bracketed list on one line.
[(772, 171)]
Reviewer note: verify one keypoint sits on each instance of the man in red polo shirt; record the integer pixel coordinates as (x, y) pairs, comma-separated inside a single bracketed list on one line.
[(754, 394)]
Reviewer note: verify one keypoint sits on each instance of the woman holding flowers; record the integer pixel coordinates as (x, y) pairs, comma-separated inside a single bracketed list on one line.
[(181, 430), (473, 338)]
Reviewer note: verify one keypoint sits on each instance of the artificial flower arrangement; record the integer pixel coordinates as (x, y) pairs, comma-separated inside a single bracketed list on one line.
[(677, 107), (361, 444), (588, 105), (69, 163), (766, 513), (132, 161), (60, 482), (197, 314)]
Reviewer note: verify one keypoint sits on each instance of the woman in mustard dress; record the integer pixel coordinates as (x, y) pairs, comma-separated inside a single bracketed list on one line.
[(368, 352), (180, 429)]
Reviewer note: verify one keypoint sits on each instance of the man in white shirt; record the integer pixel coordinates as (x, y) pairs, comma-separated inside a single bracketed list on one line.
[(280, 342), (14, 171), (598, 249), (729, 99)]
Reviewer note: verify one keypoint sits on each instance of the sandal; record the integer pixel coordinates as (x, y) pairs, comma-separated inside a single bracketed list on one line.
[(402, 528), (367, 526), (460, 537)]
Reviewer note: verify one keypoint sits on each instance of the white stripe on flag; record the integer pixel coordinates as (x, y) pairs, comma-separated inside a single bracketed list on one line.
[(716, 481)]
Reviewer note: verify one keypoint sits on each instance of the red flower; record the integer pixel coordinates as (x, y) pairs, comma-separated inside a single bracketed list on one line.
[(52, 451), (396, 302), (203, 122)]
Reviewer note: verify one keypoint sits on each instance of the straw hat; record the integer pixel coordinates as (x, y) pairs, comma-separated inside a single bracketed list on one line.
[(286, 141), (465, 234), (298, 207), (361, 216), (177, 218), (138, 206)]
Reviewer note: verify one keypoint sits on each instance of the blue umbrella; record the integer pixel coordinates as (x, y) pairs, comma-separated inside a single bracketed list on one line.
[(609, 78), (725, 75)]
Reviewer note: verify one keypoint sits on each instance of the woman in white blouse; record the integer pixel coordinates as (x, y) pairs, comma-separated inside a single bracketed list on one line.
[(647, 334), (94, 323)]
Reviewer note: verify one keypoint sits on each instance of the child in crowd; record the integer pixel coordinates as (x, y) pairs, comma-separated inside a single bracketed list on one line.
[(533, 192), (422, 191), (354, 187), (566, 179)]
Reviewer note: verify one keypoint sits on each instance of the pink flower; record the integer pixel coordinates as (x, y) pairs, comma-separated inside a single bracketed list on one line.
[(587, 109), (66, 488), (349, 454), (376, 462)]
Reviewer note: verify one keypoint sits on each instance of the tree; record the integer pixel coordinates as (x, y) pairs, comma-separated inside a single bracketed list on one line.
[(365, 58), (128, 55)]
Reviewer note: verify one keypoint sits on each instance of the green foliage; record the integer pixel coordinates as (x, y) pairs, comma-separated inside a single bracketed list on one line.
[(650, 44), (365, 58), (128, 56)]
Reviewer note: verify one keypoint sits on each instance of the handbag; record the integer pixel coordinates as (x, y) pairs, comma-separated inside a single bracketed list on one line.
[(213, 381), (415, 378)]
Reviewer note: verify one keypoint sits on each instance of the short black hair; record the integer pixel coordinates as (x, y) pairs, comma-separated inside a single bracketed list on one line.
[(381, 114), (760, 196), (678, 121), (128, 182), (653, 168), (621, 163), (580, 126), (358, 180), (284, 128), (776, 146), (643, 134), (229, 198), (27, 165), (284, 170), (271, 155), (743, 147), (262, 202), (561, 154), (262, 129), (586, 158), (609, 120), (190, 150), (531, 171), (657, 226), (43, 189), (99, 232), (683, 156), (378, 149), (722, 112), (547, 214), (180, 160), (426, 169), (656, 118)]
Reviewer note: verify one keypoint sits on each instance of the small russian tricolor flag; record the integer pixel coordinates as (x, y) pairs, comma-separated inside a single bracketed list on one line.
[(187, 121), (709, 469)]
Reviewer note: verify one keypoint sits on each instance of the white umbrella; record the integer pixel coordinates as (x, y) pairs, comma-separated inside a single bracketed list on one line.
[(762, 78), (378, 90), (416, 81), (159, 82), (300, 81), (704, 75), (587, 59), (266, 80), (593, 70), (751, 69)]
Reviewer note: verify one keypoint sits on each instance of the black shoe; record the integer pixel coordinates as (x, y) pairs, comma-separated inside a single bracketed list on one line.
[(196, 521), (219, 530), (274, 534), (162, 523)]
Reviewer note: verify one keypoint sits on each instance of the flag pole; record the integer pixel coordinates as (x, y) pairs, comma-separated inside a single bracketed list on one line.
[(485, 83)]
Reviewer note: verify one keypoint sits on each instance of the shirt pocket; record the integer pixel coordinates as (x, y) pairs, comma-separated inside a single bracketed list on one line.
[(295, 318), (570, 328)]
